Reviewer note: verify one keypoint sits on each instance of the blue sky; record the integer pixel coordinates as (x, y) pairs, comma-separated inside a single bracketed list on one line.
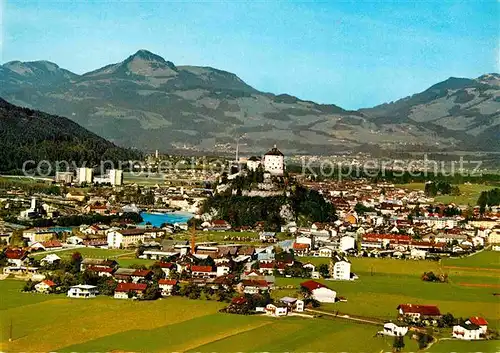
[(353, 54)]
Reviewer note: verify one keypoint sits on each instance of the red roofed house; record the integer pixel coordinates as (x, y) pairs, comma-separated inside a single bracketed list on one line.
[(220, 224), (467, 332), (267, 267), (138, 275), (166, 267), (319, 291), (136, 290), (300, 249), (419, 312), (101, 271), (203, 272), (52, 244), (167, 286), (45, 286), (479, 321), (16, 257)]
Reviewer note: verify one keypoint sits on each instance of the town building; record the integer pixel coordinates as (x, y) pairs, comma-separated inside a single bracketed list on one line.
[(167, 286), (319, 291), (82, 291), (419, 312), (274, 162), (127, 290), (64, 177), (340, 268), (84, 175)]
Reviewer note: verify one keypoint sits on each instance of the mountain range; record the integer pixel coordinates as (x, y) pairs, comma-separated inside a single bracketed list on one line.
[(30, 135), (148, 103)]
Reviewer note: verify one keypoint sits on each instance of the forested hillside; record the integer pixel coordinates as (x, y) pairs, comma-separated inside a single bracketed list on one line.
[(30, 135)]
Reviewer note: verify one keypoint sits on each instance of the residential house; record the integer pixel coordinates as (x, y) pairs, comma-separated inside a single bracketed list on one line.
[(74, 240), (391, 329), (251, 286), (220, 225), (293, 304), (479, 321), (319, 291), (326, 251), (166, 267), (347, 243), (267, 237), (340, 268), (276, 311), (82, 291), (301, 249), (202, 272), (38, 234), (52, 245), (16, 257), (167, 286), (104, 263), (45, 286), (101, 271), (96, 208), (127, 290), (419, 312), (467, 332), (50, 259), (125, 238)]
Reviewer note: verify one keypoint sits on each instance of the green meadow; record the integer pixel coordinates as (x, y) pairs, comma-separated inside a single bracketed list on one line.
[(56, 323), (469, 193)]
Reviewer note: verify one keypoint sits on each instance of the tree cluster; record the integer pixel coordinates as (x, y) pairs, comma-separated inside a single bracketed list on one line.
[(488, 198), (30, 135), (431, 277)]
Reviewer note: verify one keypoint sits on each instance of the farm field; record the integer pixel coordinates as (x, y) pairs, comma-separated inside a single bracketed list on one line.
[(448, 346), (469, 193), (484, 259), (123, 257), (40, 322), (232, 333), (386, 283)]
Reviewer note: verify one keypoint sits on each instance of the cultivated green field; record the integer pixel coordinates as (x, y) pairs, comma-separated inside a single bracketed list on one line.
[(123, 257), (484, 259), (448, 346), (469, 193)]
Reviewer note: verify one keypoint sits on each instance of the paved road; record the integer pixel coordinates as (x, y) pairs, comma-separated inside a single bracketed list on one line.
[(346, 317)]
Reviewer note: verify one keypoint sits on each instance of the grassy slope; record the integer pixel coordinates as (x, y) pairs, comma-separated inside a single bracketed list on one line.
[(176, 324), (469, 193), (229, 333), (44, 326)]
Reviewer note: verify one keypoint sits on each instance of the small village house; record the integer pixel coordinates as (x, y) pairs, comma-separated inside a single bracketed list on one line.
[(319, 291), (340, 268), (419, 312), (467, 332), (127, 290), (391, 329), (45, 286), (82, 291), (167, 286)]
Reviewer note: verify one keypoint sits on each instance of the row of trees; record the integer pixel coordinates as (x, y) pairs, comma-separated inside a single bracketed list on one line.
[(50, 138)]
